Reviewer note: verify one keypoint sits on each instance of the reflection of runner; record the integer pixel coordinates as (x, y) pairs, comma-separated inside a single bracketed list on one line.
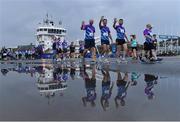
[(150, 81), (65, 74), (89, 38), (122, 84), (72, 70), (134, 77), (106, 89), (90, 85)]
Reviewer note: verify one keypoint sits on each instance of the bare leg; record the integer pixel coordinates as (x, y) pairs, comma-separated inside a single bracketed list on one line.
[(103, 49), (118, 51), (93, 50), (134, 53), (154, 54), (125, 49), (107, 50)]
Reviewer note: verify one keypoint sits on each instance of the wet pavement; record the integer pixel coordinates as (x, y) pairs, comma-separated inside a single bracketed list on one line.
[(87, 92)]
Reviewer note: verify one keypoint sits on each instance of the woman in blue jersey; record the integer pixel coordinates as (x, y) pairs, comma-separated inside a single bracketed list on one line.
[(134, 46), (121, 36), (89, 38), (105, 35)]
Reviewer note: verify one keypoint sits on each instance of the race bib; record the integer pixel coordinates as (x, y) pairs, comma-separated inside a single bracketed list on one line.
[(90, 34), (122, 31), (106, 91), (105, 34), (92, 92)]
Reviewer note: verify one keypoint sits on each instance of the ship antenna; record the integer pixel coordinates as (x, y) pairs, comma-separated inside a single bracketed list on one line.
[(47, 15), (60, 22)]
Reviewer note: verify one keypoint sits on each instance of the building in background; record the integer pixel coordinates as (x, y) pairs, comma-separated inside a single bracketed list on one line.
[(168, 45)]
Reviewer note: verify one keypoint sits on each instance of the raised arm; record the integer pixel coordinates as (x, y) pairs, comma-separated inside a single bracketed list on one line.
[(126, 38), (114, 24), (110, 37), (100, 22), (111, 87), (83, 25)]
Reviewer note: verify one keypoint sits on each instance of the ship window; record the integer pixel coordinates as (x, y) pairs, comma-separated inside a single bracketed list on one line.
[(50, 30), (53, 31), (41, 29), (59, 31), (64, 31), (45, 29)]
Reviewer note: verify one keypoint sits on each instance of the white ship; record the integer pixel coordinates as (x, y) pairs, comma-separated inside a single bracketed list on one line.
[(47, 32)]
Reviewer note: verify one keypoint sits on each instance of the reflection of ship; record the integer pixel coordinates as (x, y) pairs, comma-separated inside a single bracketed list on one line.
[(47, 83), (51, 87)]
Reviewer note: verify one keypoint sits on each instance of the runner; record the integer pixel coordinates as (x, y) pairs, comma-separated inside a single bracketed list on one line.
[(64, 48), (134, 46), (155, 41), (72, 50), (54, 47), (121, 36), (105, 35), (89, 38), (59, 49), (81, 48), (106, 89), (148, 44)]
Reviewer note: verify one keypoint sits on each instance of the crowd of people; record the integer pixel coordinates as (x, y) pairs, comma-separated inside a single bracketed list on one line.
[(28, 54), (61, 49)]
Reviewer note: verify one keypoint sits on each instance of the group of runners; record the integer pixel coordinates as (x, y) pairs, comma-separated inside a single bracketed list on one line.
[(121, 40), (61, 49)]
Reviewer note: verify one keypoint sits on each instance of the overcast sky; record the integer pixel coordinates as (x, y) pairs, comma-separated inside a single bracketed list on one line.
[(19, 18)]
